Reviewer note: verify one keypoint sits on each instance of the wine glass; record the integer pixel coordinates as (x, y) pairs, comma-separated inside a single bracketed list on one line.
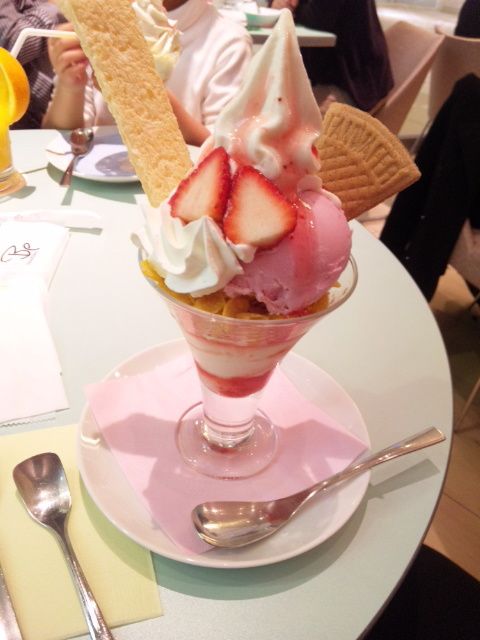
[(226, 435)]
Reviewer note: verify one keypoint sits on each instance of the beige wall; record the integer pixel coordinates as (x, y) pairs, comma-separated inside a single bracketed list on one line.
[(451, 6)]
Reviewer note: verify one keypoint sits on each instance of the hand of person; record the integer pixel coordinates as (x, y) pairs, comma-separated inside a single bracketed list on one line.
[(284, 4), (330, 99), (68, 59)]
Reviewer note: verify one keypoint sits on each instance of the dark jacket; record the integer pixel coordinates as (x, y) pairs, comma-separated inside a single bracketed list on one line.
[(359, 62), (426, 219), (468, 25)]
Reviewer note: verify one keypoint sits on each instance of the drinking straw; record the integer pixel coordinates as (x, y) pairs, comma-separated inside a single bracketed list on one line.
[(39, 33)]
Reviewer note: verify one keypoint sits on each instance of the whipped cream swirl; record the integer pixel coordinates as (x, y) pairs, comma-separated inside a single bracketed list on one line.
[(274, 121), (160, 33), (193, 258)]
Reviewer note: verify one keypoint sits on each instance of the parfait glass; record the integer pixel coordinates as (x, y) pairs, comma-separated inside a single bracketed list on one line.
[(226, 435)]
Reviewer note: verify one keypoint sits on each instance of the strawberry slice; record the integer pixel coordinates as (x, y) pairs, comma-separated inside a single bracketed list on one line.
[(205, 191), (258, 213)]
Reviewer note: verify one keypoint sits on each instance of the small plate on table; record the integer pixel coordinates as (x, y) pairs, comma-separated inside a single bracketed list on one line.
[(107, 161), (115, 497)]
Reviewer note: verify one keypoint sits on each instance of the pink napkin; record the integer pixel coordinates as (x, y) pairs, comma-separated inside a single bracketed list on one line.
[(137, 416)]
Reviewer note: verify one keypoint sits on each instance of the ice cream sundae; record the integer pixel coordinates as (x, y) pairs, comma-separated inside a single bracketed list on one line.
[(252, 219), (245, 250), (251, 248), (160, 33)]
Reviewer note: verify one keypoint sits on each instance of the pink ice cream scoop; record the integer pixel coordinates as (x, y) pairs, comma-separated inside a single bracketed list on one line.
[(304, 265)]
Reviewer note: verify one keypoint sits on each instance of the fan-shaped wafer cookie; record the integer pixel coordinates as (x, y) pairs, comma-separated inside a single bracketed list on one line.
[(124, 67), (362, 162)]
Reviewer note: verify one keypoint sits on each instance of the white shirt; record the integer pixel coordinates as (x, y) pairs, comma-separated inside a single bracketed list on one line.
[(215, 53)]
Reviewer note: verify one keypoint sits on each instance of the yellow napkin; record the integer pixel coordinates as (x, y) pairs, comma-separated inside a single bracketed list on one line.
[(119, 571)]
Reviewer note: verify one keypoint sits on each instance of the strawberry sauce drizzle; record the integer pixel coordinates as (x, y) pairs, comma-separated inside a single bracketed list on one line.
[(234, 387)]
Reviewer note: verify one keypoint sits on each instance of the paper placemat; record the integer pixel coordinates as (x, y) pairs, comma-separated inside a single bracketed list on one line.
[(119, 571)]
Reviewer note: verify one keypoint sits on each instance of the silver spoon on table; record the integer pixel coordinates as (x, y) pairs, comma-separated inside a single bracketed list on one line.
[(81, 141), (43, 486), (232, 524)]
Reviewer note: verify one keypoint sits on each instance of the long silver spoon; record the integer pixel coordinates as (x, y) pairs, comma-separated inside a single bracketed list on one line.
[(81, 141), (43, 486), (233, 524)]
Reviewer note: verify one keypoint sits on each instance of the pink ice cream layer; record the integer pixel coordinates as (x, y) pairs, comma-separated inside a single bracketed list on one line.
[(304, 265)]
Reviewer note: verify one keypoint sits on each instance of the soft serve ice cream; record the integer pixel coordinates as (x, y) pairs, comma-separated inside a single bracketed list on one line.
[(160, 33), (251, 220)]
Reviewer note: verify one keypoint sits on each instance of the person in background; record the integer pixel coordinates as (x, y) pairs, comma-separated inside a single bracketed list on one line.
[(16, 15), (357, 69), (213, 58), (427, 217), (468, 24)]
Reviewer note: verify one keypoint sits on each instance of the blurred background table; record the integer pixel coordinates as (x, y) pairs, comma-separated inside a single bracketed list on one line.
[(306, 37), (383, 346)]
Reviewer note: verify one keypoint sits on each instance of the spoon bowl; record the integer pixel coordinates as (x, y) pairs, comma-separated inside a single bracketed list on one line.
[(43, 487), (81, 141), (42, 483), (232, 524)]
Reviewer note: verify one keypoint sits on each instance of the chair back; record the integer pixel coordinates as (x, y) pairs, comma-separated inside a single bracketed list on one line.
[(456, 58), (465, 257), (411, 51)]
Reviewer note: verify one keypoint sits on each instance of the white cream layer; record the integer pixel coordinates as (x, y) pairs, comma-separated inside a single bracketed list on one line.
[(274, 120)]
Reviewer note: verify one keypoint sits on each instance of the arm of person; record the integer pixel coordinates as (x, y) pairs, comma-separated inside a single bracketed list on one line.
[(193, 131), (65, 110), (43, 16)]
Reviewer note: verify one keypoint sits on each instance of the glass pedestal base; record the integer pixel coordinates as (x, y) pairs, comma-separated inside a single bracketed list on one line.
[(234, 458), (11, 183)]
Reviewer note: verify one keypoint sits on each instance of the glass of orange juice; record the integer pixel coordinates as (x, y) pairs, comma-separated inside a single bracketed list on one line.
[(14, 99)]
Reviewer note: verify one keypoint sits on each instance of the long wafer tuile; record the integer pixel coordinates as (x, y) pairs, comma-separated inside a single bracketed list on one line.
[(124, 67)]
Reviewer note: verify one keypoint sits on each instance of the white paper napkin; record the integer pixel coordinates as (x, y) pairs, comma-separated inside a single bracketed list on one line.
[(30, 372), (31, 249), (68, 217)]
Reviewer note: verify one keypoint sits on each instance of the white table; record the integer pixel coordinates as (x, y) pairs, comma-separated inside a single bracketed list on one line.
[(383, 346), (306, 37)]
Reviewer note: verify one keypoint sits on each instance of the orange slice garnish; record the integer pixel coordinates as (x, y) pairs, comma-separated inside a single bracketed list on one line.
[(14, 89)]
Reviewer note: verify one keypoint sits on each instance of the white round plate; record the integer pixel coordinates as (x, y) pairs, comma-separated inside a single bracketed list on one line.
[(106, 162), (111, 491)]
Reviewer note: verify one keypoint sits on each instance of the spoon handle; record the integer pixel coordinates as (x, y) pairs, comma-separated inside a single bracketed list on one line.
[(9, 628), (66, 180), (97, 626), (413, 443)]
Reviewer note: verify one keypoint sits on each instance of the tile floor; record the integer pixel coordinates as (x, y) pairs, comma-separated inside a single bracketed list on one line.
[(455, 529)]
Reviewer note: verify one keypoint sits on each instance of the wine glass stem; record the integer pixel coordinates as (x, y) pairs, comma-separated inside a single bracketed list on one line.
[(228, 421)]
